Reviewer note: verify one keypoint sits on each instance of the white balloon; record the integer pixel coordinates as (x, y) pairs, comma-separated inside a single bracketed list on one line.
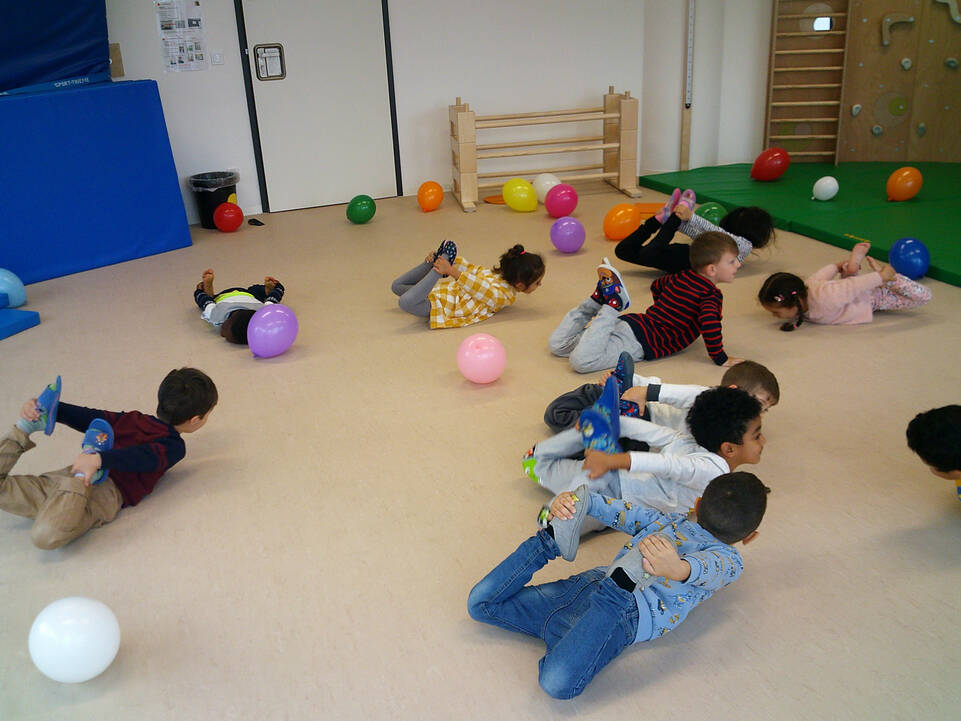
[(825, 188), (543, 183), (74, 639)]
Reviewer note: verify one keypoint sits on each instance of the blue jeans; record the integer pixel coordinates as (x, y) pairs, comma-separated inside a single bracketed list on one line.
[(585, 620)]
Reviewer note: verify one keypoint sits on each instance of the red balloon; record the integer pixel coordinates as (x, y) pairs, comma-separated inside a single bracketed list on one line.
[(228, 217), (770, 164)]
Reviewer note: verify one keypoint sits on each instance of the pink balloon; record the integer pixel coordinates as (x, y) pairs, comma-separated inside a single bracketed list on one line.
[(560, 200), (481, 358), (271, 330)]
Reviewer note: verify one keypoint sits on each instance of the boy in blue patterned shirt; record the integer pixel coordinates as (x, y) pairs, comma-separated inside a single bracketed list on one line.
[(669, 566)]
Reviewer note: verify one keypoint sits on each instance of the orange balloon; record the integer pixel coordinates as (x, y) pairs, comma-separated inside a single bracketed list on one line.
[(904, 183), (621, 220), (429, 196)]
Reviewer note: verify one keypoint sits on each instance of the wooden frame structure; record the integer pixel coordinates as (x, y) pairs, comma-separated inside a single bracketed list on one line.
[(618, 144)]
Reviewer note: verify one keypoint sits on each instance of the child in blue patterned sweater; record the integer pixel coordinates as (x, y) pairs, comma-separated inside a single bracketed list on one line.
[(671, 564)]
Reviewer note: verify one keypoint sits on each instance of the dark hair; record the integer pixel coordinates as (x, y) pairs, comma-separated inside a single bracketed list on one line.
[(750, 376), (721, 415), (183, 394), (751, 222), (732, 506), (935, 435), (785, 290), (519, 266), (710, 247), (234, 327)]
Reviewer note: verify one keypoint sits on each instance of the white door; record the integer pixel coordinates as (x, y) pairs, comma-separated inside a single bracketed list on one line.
[(325, 128)]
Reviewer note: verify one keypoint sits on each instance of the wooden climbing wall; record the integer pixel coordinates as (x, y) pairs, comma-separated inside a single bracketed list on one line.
[(902, 82)]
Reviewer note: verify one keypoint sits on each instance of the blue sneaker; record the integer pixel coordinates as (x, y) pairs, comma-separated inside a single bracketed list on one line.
[(600, 424), (47, 404), (98, 438), (624, 370)]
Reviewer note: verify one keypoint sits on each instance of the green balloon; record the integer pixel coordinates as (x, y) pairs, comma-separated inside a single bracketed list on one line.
[(712, 212), (360, 209)]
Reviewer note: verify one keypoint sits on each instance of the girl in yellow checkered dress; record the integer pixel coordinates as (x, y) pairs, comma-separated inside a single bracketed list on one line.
[(452, 293)]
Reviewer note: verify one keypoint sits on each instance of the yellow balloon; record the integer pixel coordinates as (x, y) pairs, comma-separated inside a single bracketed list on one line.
[(520, 195)]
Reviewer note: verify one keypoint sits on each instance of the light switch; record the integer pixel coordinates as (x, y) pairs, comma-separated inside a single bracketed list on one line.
[(216, 57)]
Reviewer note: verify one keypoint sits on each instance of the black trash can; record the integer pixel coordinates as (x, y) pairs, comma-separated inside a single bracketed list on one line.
[(210, 190)]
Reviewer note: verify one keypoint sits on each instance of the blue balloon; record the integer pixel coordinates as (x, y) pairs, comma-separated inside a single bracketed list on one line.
[(910, 257), (11, 286)]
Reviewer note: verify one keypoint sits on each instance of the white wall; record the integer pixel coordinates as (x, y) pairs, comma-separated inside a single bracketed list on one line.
[(206, 111), (500, 56), (504, 56), (731, 45)]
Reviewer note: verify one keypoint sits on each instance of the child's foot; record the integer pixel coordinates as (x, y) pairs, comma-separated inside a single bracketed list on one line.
[(624, 370), (664, 213), (567, 532), (269, 284), (47, 404), (98, 438), (629, 408), (688, 199), (448, 249), (527, 463), (853, 266), (632, 564), (208, 281), (610, 290)]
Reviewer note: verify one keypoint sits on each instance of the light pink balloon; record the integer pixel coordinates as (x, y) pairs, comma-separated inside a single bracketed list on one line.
[(560, 200), (481, 358)]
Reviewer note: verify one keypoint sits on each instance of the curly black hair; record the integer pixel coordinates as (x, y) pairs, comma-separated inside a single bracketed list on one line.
[(935, 436), (721, 415)]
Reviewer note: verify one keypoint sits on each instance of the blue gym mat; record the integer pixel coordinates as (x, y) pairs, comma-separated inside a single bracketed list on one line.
[(88, 180)]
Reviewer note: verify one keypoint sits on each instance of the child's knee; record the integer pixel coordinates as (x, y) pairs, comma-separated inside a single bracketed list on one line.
[(46, 536), (557, 678), (477, 602), (583, 363)]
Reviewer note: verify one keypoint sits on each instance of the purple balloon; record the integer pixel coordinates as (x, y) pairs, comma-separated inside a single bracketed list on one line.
[(272, 330), (567, 234)]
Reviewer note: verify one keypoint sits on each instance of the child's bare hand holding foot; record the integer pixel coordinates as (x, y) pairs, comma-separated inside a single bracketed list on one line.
[(562, 506), (661, 559), (886, 271)]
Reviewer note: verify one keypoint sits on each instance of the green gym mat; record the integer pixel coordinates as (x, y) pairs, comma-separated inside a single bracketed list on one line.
[(860, 210)]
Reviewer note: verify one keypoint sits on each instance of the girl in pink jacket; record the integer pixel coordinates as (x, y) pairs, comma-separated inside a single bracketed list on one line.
[(851, 298)]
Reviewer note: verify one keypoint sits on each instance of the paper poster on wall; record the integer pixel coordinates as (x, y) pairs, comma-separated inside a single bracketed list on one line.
[(181, 27)]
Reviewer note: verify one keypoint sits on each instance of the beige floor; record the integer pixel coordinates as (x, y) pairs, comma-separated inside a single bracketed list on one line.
[(312, 555)]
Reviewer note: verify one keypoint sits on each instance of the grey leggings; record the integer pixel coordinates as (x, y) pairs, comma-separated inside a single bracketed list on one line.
[(413, 287)]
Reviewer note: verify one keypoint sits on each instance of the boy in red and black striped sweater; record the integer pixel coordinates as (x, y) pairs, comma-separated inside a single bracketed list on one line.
[(686, 305)]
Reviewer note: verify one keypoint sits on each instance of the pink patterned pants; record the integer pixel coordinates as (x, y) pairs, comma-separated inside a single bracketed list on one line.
[(899, 294)]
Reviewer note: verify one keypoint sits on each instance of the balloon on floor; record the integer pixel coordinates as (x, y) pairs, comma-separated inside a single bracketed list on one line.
[(560, 200), (904, 183), (910, 257), (481, 358), (770, 164), (825, 188), (621, 220), (272, 330), (360, 209), (74, 639), (429, 196), (519, 195), (567, 234)]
